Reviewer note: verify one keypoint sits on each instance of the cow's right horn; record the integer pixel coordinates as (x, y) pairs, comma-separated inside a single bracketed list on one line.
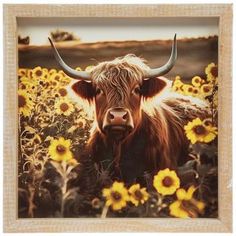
[(168, 66), (80, 75)]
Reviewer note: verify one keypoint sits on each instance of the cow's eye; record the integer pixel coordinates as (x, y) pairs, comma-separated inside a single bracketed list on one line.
[(99, 91), (136, 91)]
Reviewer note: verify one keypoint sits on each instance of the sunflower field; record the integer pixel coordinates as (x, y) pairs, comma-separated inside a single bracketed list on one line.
[(53, 132)]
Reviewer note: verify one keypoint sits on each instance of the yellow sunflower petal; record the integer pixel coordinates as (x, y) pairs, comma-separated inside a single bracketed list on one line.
[(190, 192)]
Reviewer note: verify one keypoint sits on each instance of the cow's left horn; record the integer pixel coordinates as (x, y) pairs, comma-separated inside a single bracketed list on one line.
[(168, 66), (80, 75)]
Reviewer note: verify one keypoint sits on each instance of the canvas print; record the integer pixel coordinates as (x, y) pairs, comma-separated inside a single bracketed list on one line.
[(117, 117)]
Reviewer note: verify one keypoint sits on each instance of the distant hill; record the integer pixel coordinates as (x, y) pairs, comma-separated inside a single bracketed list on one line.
[(193, 54)]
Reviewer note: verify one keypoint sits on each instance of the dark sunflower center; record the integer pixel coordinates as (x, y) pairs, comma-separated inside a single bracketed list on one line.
[(21, 101), (61, 149), (206, 89), (57, 77), (197, 80), (138, 195), (167, 181), (23, 86), (195, 91), (63, 92), (190, 89), (116, 196), (38, 72), (214, 71), (64, 107), (199, 129)]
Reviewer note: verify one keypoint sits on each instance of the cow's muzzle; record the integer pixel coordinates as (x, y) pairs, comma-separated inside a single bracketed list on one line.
[(118, 123)]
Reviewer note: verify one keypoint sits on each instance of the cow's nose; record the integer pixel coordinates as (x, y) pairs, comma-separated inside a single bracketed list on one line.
[(118, 116)]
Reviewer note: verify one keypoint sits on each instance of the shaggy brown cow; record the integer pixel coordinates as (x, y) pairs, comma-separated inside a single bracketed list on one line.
[(139, 121)]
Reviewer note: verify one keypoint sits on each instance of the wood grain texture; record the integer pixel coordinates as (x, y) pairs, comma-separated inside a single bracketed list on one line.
[(12, 224)]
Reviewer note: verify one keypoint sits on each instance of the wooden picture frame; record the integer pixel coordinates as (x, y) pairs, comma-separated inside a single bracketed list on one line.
[(224, 221)]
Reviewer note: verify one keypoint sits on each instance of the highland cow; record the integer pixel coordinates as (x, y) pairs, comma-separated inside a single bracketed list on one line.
[(139, 120)]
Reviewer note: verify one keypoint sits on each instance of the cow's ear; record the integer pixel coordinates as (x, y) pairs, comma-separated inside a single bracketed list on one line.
[(84, 89), (152, 87)]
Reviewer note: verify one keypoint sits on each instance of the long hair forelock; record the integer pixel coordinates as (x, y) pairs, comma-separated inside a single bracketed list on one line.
[(128, 67), (119, 74)]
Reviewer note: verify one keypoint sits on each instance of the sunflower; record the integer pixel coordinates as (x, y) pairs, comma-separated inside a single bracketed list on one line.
[(188, 89), (177, 88), (52, 71), (22, 72), (28, 79), (177, 80), (25, 103), (56, 76), (196, 131), (25, 83), (166, 182), (62, 91), (50, 83), (65, 80), (59, 150), (177, 84), (64, 107), (177, 211), (212, 72), (28, 83), (89, 68), (62, 73), (96, 203), (30, 73), (116, 196), (206, 90), (62, 78), (78, 68), (208, 123), (81, 122), (38, 72), (46, 72), (138, 195), (186, 206), (196, 81)]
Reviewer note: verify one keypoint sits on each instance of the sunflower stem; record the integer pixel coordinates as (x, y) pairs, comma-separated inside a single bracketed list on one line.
[(64, 187), (104, 212)]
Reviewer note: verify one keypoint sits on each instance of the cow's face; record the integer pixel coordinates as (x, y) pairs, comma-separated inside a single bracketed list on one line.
[(117, 89)]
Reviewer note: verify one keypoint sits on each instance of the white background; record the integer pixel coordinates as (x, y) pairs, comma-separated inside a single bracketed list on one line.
[(109, 2)]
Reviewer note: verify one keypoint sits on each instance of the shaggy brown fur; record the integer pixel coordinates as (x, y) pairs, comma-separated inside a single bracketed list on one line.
[(157, 140), (158, 143)]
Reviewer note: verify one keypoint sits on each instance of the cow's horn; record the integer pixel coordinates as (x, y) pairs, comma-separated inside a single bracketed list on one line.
[(80, 75), (168, 66)]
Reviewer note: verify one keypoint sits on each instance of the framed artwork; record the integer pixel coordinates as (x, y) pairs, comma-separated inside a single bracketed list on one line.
[(117, 118)]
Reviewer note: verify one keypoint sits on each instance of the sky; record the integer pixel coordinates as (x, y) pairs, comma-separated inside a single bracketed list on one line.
[(117, 29)]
